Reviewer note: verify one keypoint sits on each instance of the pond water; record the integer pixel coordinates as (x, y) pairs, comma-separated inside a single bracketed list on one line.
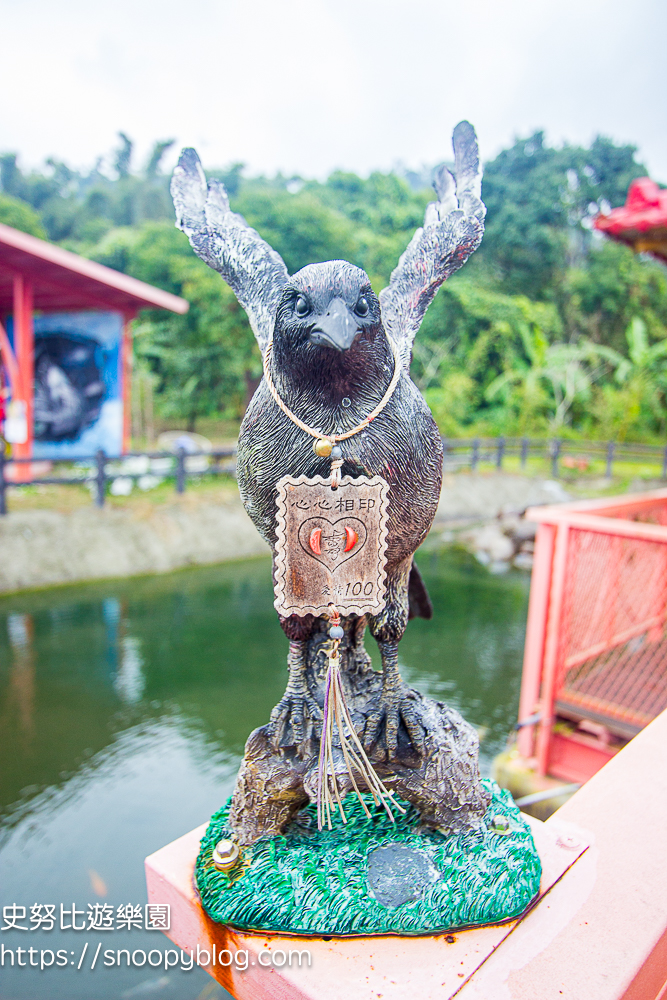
[(124, 708)]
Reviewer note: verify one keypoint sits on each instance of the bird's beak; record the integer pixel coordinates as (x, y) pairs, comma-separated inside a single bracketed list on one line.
[(337, 328)]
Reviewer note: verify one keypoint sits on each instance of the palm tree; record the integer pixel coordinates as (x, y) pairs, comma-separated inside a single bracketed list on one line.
[(555, 377), (642, 376)]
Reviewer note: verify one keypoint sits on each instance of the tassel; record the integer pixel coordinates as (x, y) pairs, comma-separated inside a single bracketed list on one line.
[(336, 712)]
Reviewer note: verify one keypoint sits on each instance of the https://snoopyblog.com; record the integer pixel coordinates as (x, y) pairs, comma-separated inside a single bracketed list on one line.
[(101, 917)]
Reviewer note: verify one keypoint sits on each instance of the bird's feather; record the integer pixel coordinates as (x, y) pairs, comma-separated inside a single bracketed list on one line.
[(224, 240), (452, 230), (419, 603)]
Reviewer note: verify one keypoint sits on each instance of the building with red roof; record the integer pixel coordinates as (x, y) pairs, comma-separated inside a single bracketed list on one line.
[(70, 297)]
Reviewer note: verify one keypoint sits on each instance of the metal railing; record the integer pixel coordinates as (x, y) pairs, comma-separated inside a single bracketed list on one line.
[(459, 453), (471, 452), (98, 472), (596, 640)]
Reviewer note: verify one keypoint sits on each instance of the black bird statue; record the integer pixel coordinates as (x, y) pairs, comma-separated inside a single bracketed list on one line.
[(334, 353)]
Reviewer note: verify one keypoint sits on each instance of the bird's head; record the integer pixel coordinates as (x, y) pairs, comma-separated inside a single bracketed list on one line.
[(326, 308), (328, 337)]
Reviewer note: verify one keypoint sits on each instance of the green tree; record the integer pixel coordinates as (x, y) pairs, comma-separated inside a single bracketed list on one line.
[(600, 299), (298, 226), (470, 337), (556, 378), (533, 335), (384, 212), (14, 212), (636, 400), (540, 203)]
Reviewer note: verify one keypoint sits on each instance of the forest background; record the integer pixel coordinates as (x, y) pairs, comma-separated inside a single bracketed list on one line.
[(549, 329)]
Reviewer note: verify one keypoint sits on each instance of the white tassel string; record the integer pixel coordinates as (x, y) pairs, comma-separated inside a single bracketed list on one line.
[(336, 712)]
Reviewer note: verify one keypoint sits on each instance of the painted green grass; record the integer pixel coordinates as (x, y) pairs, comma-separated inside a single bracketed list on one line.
[(310, 882)]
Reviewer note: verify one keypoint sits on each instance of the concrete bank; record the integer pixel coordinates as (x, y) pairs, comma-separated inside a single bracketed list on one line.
[(482, 496), (41, 548)]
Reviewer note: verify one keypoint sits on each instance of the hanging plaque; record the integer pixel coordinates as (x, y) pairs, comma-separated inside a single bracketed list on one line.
[(331, 545)]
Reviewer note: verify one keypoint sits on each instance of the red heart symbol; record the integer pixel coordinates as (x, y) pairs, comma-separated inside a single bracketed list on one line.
[(330, 544)]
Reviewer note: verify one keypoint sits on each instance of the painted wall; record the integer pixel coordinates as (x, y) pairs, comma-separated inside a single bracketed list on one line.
[(78, 403)]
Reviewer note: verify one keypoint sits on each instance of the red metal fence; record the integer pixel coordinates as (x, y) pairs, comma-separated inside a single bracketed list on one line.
[(595, 664)]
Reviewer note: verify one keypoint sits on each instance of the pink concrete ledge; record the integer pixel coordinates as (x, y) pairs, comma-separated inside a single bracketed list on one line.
[(601, 933)]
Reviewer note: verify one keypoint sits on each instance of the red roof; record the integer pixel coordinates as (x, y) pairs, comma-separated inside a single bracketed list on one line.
[(64, 281), (642, 221)]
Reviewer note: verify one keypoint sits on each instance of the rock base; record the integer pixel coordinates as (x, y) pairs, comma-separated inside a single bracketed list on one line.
[(441, 778)]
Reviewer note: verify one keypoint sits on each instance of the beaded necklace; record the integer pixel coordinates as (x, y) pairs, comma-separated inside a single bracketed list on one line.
[(326, 445)]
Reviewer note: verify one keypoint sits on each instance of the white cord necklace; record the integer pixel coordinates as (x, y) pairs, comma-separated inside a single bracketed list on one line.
[(326, 443)]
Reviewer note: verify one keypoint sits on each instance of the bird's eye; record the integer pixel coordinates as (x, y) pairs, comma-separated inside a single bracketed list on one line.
[(362, 306), (301, 306)]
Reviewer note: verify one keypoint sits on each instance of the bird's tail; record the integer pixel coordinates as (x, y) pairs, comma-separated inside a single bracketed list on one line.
[(418, 600)]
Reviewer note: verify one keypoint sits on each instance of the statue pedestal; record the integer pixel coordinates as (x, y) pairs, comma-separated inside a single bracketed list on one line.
[(359, 968)]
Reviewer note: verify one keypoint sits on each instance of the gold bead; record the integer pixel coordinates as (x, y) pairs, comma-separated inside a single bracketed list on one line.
[(322, 448), (225, 855)]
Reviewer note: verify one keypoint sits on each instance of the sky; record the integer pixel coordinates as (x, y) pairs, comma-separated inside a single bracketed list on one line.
[(308, 86)]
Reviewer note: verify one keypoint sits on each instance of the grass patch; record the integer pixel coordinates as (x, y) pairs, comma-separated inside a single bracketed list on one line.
[(220, 489), (310, 882)]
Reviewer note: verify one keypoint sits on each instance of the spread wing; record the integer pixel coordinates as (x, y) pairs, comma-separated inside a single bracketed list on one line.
[(255, 273), (453, 229)]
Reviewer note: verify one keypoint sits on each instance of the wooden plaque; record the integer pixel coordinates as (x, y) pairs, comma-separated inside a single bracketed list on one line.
[(331, 545)]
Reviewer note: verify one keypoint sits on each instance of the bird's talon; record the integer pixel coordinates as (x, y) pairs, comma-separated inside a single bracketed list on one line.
[(381, 731), (294, 722)]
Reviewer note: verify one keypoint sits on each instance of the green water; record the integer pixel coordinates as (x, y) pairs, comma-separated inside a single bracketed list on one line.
[(124, 708)]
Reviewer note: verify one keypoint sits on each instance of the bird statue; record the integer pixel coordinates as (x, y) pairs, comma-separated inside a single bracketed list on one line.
[(337, 410)]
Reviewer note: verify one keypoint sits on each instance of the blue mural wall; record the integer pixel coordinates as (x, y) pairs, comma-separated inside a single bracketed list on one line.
[(78, 405)]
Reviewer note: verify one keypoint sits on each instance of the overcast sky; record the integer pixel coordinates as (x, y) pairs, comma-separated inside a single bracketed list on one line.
[(306, 86)]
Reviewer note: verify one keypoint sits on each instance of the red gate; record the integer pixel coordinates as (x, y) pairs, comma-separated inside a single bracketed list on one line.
[(595, 663)]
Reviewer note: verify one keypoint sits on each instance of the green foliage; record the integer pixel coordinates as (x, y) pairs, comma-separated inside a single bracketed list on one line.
[(639, 398), (77, 208), (600, 299), (384, 213), (206, 361), (298, 226), (368, 222), (489, 335), (548, 329), (15, 213), (540, 201), (452, 401), (123, 156), (555, 379)]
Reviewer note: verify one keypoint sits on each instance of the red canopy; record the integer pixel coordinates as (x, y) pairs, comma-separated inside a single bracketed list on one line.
[(642, 222), (63, 281)]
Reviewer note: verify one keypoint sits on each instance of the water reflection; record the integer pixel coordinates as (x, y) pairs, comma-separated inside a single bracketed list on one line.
[(83, 842), (129, 681), (123, 653), (22, 674), (124, 708)]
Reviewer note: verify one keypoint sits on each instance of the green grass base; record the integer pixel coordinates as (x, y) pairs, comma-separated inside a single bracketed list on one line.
[(310, 882)]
